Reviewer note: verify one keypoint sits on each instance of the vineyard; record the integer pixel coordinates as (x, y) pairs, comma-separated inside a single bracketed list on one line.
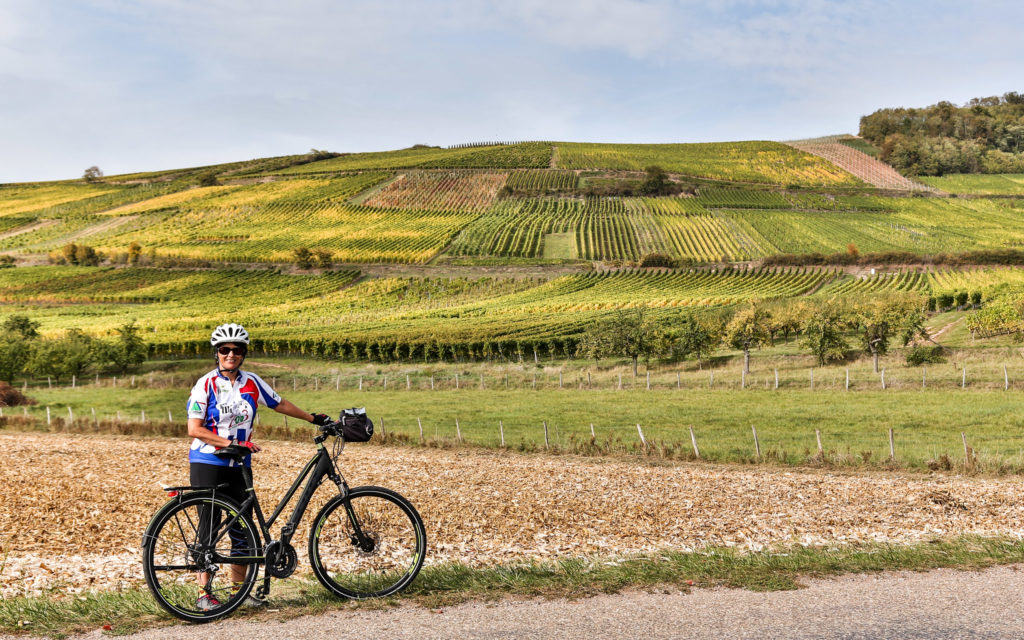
[(1007, 184), (871, 170), (439, 191), (848, 286), (540, 180), (762, 162), (523, 155), (344, 306)]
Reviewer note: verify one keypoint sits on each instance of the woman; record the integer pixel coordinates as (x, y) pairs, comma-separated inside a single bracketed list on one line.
[(221, 412)]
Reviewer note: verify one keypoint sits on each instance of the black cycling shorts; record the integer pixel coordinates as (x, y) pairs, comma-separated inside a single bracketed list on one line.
[(211, 475)]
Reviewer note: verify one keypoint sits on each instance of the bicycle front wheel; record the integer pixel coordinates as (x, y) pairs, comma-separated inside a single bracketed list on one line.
[(186, 556), (368, 544)]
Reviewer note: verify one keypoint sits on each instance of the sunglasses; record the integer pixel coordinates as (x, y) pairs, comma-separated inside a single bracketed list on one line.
[(238, 351)]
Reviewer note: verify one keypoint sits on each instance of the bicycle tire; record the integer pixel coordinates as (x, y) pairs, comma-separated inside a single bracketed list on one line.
[(390, 522), (171, 568)]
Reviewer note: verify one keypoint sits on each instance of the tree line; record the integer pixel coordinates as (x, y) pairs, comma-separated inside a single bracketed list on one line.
[(986, 135), (825, 329), (25, 353)]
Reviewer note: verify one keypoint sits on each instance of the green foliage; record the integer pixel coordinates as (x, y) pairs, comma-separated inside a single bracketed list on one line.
[(303, 257), (697, 337), (749, 328), (92, 174), (15, 351), (129, 350), (208, 179), (22, 326), (823, 333), (986, 135), (633, 334), (925, 354)]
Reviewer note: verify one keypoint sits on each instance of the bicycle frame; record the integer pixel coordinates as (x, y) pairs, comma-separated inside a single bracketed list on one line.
[(319, 467)]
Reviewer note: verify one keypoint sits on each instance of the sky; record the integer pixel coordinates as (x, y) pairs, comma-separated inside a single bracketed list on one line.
[(132, 85)]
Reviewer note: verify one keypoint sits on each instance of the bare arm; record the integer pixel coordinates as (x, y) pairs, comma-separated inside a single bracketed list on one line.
[(289, 409)]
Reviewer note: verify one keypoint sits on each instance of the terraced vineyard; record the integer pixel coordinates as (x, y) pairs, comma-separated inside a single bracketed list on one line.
[(299, 312), (440, 191), (524, 155), (1006, 184), (849, 286), (762, 162), (542, 180)]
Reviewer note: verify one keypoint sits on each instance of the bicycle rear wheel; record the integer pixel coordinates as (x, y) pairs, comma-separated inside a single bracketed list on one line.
[(368, 544), (186, 538)]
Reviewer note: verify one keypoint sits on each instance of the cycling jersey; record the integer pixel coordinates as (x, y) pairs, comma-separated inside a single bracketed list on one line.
[(228, 410)]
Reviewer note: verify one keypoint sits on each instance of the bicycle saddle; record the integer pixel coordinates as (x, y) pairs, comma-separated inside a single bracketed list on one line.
[(234, 452)]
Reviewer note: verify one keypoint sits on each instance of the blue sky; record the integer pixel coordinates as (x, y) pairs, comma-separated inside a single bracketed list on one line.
[(144, 85)]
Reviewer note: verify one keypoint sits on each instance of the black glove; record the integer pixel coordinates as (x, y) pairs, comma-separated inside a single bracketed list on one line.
[(321, 419)]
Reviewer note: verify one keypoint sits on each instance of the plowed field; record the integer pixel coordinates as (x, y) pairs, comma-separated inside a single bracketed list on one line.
[(74, 507)]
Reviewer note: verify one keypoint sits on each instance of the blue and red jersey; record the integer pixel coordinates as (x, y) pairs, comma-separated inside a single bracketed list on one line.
[(228, 409)]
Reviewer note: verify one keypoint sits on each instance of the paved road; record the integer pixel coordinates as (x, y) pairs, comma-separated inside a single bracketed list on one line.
[(936, 605)]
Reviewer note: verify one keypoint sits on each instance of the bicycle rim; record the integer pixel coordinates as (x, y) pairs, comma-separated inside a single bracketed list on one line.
[(384, 560), (173, 558)]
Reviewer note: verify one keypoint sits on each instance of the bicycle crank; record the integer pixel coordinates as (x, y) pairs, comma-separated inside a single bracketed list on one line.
[(281, 559)]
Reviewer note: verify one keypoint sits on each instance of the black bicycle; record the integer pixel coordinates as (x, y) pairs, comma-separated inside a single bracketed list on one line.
[(367, 542)]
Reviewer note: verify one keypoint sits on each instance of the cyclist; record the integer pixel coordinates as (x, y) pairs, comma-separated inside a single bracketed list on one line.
[(221, 412)]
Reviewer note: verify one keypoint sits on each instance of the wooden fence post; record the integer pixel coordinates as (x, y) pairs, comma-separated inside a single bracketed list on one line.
[(588, 380), (883, 378), (743, 379), (501, 428), (967, 451), (592, 434), (620, 382), (295, 383), (757, 445), (456, 381), (559, 379), (547, 445), (1006, 379), (482, 381), (95, 420), (73, 381), (421, 429), (924, 377), (812, 379), (776, 378), (892, 445), (643, 440), (47, 415), (458, 430), (408, 385), (71, 416), (49, 383), (711, 380), (963, 382), (337, 383), (431, 382), (679, 383), (817, 436), (648, 380), (383, 429), (535, 382), (847, 378), (170, 418), (360, 383), (693, 439), (316, 383), (385, 383)]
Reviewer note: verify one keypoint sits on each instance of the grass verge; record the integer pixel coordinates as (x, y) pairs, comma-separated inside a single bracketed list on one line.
[(450, 584)]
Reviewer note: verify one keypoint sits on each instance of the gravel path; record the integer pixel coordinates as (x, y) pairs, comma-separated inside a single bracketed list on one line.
[(481, 507), (936, 605)]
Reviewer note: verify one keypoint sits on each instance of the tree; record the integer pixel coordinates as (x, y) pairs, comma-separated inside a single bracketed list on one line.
[(92, 174), (208, 179), (303, 257), (134, 251), (15, 351), (69, 356), (594, 343), (748, 329), (697, 337), (876, 322), (912, 327), (656, 183), (128, 351), (632, 334), (322, 258), (823, 333), (23, 326)]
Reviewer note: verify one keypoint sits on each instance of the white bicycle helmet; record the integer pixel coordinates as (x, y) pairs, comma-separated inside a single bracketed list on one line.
[(230, 332)]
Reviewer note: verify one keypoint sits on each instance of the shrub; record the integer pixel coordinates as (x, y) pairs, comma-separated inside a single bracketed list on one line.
[(961, 298), (658, 260), (11, 397), (976, 298), (945, 301), (925, 355)]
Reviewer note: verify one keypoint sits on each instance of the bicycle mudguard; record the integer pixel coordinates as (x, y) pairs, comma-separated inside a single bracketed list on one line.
[(147, 535)]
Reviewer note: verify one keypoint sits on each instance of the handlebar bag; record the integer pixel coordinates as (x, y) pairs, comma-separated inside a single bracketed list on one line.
[(356, 426)]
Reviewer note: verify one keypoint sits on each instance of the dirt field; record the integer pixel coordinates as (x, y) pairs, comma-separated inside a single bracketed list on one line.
[(74, 507)]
